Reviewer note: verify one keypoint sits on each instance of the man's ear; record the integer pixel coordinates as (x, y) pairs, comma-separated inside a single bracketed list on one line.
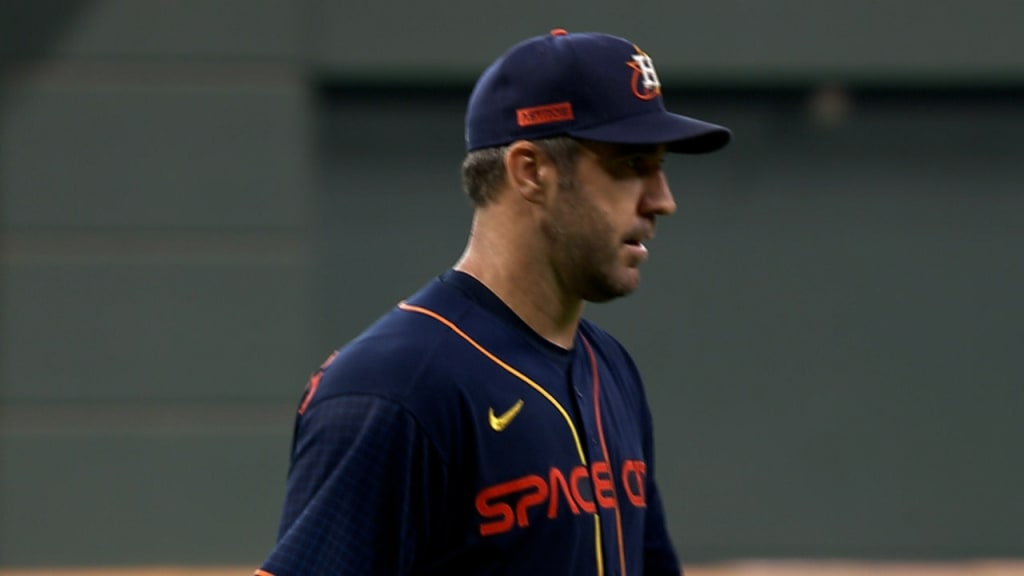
[(529, 171)]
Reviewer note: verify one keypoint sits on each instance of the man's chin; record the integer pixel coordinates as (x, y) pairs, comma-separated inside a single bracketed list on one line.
[(613, 288)]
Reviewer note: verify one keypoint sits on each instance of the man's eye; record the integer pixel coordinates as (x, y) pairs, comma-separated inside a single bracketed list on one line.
[(642, 163), (636, 162)]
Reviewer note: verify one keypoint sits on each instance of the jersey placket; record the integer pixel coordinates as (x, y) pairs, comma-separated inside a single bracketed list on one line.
[(582, 379)]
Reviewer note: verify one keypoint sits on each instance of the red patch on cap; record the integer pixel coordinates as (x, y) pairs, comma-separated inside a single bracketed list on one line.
[(559, 32), (546, 114)]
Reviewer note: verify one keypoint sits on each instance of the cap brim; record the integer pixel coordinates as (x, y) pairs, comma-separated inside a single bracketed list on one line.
[(680, 134)]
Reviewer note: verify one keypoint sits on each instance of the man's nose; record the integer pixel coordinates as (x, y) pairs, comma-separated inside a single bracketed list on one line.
[(657, 195)]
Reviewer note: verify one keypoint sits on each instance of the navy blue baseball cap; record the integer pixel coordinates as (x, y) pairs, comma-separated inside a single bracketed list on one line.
[(584, 85)]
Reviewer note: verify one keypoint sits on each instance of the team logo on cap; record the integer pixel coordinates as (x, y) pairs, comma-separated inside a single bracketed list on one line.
[(645, 83)]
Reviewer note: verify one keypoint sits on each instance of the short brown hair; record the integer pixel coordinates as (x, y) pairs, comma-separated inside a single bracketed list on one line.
[(483, 170)]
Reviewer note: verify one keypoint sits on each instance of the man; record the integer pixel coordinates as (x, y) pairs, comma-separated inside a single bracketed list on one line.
[(483, 426)]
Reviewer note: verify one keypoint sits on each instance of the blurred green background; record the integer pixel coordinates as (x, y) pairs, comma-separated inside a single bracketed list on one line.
[(202, 198)]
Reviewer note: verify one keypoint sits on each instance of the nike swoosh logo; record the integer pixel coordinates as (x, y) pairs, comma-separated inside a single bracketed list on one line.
[(499, 423)]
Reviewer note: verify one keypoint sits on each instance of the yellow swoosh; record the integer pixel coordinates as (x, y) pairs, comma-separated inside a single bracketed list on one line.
[(499, 423)]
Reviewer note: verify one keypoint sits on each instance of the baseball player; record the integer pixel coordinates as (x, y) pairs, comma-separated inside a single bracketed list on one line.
[(483, 426)]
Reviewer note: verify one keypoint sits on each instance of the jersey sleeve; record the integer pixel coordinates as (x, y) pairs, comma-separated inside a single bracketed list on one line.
[(363, 479), (659, 554), (660, 557)]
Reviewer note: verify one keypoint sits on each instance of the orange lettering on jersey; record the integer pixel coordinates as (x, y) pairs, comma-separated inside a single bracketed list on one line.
[(314, 382), (633, 474), (580, 473), (530, 499), (604, 490), (489, 509), (507, 505), (558, 484), (502, 511)]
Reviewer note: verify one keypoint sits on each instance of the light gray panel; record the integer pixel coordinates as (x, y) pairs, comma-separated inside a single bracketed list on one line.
[(734, 40), (156, 327), (138, 499), (132, 147), (154, 28)]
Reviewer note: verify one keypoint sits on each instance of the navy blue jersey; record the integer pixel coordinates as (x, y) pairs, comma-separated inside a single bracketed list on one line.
[(450, 438)]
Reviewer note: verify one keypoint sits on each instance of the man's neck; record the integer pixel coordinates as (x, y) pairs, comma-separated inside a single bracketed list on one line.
[(534, 296)]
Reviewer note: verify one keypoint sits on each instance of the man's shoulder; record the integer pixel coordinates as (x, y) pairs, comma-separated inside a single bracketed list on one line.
[(391, 358), (420, 359)]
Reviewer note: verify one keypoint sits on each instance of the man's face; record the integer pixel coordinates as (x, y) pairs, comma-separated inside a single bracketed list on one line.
[(601, 217)]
